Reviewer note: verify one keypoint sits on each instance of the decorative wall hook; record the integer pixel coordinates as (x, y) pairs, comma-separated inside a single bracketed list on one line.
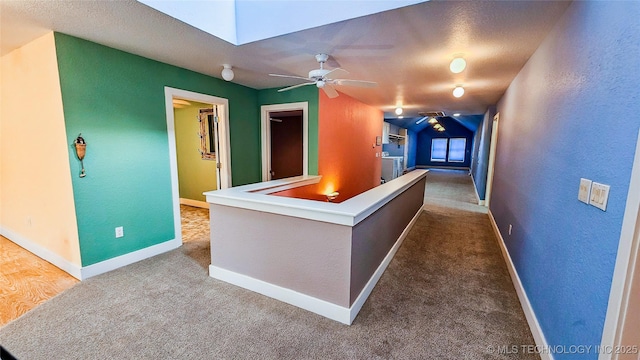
[(81, 148)]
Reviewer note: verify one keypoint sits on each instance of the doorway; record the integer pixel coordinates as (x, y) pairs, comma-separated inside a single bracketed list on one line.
[(213, 133), (286, 144), (284, 140), (621, 330)]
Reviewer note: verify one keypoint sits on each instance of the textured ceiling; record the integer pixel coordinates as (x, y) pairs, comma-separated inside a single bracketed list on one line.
[(407, 51)]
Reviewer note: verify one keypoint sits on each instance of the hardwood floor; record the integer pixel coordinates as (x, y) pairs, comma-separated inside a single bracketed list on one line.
[(27, 281), (195, 223)]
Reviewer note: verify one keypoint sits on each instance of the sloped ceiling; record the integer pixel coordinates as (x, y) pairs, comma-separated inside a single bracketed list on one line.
[(406, 51)]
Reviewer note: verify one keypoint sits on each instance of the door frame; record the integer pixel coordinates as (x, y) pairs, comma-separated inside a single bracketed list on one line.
[(492, 159), (626, 261), (225, 149), (265, 134)]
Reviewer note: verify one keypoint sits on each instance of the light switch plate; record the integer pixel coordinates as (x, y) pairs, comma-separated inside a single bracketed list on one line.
[(599, 195), (585, 190)]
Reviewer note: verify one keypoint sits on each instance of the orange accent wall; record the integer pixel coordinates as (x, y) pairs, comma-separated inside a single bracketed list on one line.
[(347, 161)]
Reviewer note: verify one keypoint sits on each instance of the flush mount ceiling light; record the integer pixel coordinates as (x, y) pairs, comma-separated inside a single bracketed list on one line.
[(457, 65), (458, 91), (433, 121), (227, 73), (398, 111)]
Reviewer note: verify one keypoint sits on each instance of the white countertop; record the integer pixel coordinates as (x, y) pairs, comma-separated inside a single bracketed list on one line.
[(349, 212)]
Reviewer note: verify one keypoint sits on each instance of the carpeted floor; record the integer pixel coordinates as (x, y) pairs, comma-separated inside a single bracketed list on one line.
[(446, 295)]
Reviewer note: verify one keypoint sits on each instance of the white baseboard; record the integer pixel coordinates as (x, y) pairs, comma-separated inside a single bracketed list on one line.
[(43, 253), (194, 203), (310, 303), (127, 259), (475, 189), (83, 273), (532, 320)]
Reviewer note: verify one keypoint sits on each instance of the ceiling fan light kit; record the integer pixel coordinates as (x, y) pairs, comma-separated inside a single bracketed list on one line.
[(320, 78)]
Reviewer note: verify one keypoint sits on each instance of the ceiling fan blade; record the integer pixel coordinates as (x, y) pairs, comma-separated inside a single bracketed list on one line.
[(290, 76), (359, 83), (295, 86), (336, 69), (330, 91)]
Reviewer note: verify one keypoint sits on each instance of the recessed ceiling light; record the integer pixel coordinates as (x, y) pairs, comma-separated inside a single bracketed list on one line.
[(398, 110), (457, 65), (458, 91), (433, 121), (456, 114)]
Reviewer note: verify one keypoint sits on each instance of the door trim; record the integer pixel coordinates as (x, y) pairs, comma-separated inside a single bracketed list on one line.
[(625, 262), (225, 148), (265, 131), (492, 159)]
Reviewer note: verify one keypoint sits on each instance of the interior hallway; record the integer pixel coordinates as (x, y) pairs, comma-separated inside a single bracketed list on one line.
[(446, 294)]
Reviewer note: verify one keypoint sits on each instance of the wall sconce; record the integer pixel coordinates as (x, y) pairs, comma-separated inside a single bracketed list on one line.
[(227, 73), (433, 121), (81, 149), (332, 196)]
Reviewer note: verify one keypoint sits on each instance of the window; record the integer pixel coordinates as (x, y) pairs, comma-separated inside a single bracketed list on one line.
[(439, 149), (208, 119), (456, 149), (448, 150)]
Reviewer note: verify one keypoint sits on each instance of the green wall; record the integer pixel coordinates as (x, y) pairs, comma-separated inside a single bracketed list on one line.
[(195, 175), (308, 94), (116, 100)]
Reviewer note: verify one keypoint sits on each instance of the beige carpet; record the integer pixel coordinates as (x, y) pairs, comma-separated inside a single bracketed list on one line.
[(446, 295)]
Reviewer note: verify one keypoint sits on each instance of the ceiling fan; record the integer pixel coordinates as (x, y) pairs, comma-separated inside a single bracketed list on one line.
[(320, 78)]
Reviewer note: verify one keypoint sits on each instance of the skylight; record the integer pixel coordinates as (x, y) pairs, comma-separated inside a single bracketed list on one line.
[(244, 21)]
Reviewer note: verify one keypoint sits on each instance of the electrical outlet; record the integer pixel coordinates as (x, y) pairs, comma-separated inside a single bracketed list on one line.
[(510, 228), (119, 231)]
